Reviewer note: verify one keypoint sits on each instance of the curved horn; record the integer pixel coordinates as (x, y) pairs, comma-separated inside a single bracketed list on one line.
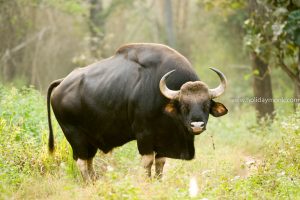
[(170, 94), (216, 92)]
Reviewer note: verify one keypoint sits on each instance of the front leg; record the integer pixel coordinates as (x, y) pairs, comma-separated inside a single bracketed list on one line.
[(147, 162), (159, 166), (145, 147)]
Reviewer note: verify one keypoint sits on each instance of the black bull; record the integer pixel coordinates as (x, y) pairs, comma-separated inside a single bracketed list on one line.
[(145, 92)]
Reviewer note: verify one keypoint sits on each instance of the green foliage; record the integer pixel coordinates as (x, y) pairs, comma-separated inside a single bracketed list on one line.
[(23, 131), (292, 27), (278, 173), (25, 112), (272, 31), (74, 7), (224, 5)]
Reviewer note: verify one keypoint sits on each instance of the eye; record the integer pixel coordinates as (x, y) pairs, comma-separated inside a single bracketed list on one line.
[(206, 106), (185, 108)]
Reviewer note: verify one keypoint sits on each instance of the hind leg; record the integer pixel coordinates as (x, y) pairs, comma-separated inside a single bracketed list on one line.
[(86, 169), (84, 155), (83, 151)]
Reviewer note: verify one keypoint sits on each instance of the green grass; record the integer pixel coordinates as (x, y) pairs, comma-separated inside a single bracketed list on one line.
[(248, 162)]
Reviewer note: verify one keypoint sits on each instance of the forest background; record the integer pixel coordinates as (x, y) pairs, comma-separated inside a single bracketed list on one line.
[(251, 152)]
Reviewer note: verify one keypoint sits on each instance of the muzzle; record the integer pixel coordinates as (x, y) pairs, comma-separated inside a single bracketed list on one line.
[(197, 127)]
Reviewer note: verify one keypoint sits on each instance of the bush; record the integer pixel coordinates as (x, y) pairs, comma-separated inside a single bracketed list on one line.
[(24, 138), (277, 174)]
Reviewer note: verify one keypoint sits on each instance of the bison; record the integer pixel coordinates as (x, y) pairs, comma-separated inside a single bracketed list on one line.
[(144, 92)]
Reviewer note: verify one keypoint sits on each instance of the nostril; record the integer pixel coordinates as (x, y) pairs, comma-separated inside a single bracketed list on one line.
[(197, 124)]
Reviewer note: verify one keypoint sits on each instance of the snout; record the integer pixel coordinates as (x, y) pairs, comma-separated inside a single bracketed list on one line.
[(197, 127)]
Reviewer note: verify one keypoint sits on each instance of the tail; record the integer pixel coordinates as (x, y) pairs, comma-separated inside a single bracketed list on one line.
[(51, 138)]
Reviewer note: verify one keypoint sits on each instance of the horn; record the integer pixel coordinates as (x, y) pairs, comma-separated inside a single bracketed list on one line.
[(170, 94), (216, 92)]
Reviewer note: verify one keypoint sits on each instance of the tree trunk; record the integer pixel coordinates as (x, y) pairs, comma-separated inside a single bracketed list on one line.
[(96, 28), (262, 88), (297, 84), (171, 39), (9, 67)]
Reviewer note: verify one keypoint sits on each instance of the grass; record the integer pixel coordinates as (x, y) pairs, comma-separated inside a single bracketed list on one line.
[(248, 161)]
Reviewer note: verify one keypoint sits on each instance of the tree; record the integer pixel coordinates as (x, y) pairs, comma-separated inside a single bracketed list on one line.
[(35, 42), (14, 31), (262, 87), (171, 39), (96, 26), (273, 32)]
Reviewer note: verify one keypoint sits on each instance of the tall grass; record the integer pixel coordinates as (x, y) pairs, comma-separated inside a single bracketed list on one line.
[(235, 159)]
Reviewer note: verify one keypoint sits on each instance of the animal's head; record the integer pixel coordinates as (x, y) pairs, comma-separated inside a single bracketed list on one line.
[(193, 103)]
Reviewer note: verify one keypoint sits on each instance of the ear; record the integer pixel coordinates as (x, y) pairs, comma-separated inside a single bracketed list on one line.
[(217, 109), (171, 109)]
